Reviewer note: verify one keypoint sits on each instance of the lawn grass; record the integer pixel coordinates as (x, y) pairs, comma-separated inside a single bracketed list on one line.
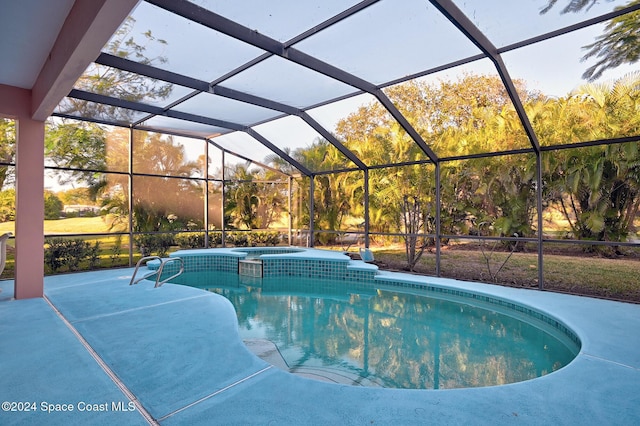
[(613, 278), (610, 278), (76, 225), (108, 256), (617, 278), (73, 225)]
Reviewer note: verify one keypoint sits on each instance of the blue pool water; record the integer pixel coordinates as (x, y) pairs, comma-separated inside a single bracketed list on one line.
[(388, 338)]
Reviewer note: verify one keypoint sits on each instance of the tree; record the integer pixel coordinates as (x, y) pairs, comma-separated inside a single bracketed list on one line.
[(165, 203), (52, 206), (610, 109), (471, 101), (160, 202), (598, 188), (619, 44), (473, 114), (243, 197), (416, 220), (78, 146), (7, 148), (118, 83), (83, 146), (572, 7), (335, 195), (499, 191), (272, 202), (76, 196)]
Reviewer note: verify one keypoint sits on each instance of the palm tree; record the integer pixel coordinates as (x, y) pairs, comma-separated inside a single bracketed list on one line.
[(598, 187), (243, 197)]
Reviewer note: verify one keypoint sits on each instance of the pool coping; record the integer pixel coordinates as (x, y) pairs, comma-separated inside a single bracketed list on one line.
[(602, 385), (272, 261)]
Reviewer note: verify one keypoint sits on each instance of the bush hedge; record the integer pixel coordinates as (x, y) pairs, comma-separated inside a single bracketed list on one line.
[(61, 252)]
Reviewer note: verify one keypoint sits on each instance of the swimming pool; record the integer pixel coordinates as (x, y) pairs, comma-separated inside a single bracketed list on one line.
[(384, 336)]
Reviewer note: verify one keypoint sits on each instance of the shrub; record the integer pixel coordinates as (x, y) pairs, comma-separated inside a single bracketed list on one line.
[(238, 239), (93, 254), (264, 238), (55, 254), (70, 253), (190, 239), (215, 239), (116, 250), (7, 205), (245, 239), (157, 244)]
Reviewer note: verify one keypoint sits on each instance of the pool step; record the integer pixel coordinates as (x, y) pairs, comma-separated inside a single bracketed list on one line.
[(268, 351)]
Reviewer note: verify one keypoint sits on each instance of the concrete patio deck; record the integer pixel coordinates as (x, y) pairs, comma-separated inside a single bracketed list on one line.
[(172, 355)]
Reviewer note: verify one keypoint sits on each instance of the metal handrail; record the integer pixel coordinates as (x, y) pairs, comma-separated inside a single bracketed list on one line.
[(157, 273), (164, 262), (135, 272)]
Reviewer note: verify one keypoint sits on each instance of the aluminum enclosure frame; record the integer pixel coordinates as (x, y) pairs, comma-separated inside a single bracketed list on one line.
[(287, 51)]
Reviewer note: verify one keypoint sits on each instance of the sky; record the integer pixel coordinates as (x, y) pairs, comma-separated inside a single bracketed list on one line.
[(376, 50)]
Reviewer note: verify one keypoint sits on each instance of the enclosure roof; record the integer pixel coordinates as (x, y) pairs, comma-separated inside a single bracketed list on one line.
[(211, 69)]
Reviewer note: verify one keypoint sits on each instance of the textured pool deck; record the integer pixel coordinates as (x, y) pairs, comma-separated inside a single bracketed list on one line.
[(174, 355)]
